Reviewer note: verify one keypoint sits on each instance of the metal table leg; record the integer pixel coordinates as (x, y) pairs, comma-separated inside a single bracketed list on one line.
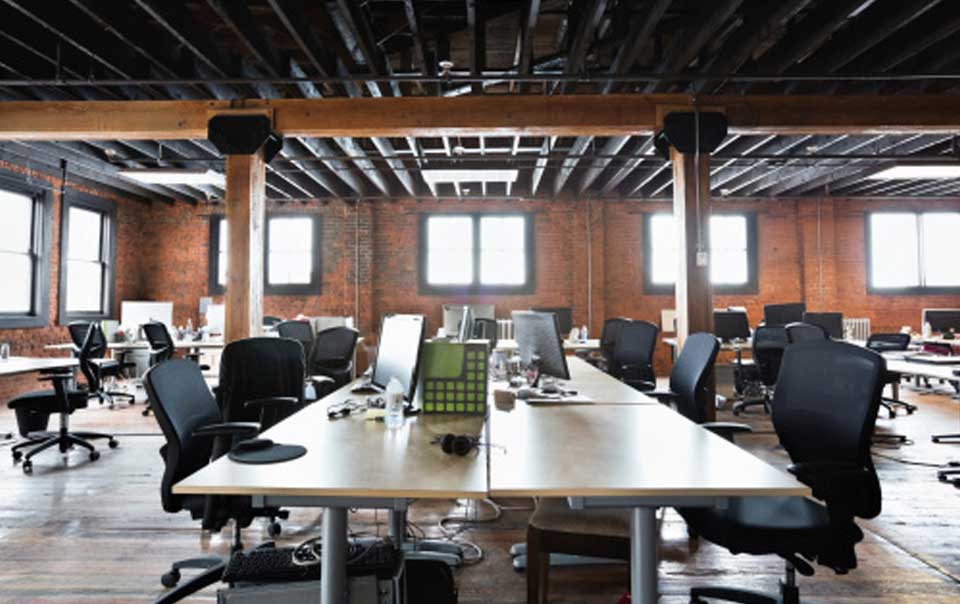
[(333, 558), (643, 555)]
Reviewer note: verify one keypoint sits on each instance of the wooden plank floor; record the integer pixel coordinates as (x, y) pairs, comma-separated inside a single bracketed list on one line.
[(81, 532)]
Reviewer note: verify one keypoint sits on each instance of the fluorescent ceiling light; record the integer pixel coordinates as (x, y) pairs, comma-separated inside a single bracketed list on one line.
[(918, 172), (437, 176), (175, 176)]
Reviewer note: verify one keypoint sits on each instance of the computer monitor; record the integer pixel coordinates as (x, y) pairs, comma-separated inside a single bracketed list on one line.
[(782, 314), (942, 320), (564, 316), (729, 325), (540, 344), (466, 325), (398, 352), (453, 314), (830, 322)]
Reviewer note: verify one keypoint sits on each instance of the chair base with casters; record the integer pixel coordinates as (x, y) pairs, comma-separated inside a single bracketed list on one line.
[(950, 473), (789, 593), (746, 403), (43, 403), (212, 567)]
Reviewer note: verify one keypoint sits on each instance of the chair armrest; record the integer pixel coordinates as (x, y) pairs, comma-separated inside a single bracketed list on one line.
[(727, 429), (664, 396), (273, 401), (228, 429), (830, 479)]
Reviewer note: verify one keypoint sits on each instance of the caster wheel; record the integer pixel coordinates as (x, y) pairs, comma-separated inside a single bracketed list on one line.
[(736, 412), (113, 443), (94, 455), (27, 467), (17, 456), (145, 412), (274, 529), (170, 579)]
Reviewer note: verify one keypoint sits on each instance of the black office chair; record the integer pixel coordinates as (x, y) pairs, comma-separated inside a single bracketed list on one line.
[(769, 343), (261, 379), (78, 334), (301, 331), (96, 369), (805, 332), (486, 329), (163, 348), (332, 356), (633, 354), (271, 321), (33, 412), (195, 435), (824, 424), (891, 342), (603, 359)]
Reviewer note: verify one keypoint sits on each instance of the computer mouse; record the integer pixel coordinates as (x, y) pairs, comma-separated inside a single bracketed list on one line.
[(253, 444), (524, 393), (550, 389)]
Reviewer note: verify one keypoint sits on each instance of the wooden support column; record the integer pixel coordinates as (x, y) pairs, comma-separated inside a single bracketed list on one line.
[(246, 215), (694, 296)]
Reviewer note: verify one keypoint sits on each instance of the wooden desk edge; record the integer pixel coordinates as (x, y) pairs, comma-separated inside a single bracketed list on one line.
[(798, 491), (346, 492)]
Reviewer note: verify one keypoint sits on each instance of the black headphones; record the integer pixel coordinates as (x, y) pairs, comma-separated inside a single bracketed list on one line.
[(457, 444)]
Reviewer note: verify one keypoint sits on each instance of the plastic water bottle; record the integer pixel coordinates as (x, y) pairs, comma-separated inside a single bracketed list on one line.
[(584, 335), (393, 406)]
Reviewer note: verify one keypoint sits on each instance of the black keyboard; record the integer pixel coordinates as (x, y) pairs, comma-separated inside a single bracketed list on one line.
[(268, 564)]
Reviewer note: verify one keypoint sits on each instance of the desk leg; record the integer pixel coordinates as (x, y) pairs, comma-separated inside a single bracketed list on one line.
[(643, 555), (895, 388), (333, 557)]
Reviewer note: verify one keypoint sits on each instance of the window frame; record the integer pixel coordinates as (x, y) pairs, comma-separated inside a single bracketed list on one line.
[(751, 287), (476, 287), (315, 287), (41, 251), (108, 254), (921, 290)]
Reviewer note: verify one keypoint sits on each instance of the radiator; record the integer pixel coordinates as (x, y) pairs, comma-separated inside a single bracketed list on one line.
[(856, 329), (505, 329)]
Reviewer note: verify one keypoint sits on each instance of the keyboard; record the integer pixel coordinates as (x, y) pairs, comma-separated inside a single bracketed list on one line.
[(269, 564)]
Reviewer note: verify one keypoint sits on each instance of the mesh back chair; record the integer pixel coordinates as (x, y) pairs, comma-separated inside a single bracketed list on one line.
[(633, 354), (300, 331), (261, 374), (163, 348), (891, 342), (824, 424), (486, 329), (769, 343), (195, 434), (556, 529), (96, 369), (805, 332), (332, 356), (78, 333)]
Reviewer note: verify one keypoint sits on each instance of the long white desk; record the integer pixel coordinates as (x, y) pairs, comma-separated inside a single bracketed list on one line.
[(609, 454), (568, 345), (18, 365), (144, 345)]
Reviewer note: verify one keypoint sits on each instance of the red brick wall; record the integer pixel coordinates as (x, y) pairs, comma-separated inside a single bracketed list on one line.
[(809, 249), (129, 277)]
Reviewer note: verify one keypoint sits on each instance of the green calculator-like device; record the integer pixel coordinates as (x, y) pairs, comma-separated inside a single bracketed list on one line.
[(454, 377)]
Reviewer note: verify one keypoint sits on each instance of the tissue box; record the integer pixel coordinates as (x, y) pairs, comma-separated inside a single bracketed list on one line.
[(454, 377)]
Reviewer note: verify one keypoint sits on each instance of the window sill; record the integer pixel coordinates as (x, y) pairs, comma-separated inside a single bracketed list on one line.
[(22, 321)]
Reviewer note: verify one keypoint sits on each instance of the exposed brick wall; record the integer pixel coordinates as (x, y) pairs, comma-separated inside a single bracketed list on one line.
[(129, 276), (809, 249)]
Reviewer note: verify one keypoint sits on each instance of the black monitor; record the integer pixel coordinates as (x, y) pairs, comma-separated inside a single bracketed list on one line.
[(730, 325), (830, 322), (783, 314), (540, 344), (942, 320), (466, 324), (398, 352), (564, 317)]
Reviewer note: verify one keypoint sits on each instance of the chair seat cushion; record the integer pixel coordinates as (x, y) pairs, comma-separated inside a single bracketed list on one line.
[(556, 516), (763, 525), (46, 401)]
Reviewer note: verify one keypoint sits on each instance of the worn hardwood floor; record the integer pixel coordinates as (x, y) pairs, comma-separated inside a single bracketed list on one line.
[(81, 532)]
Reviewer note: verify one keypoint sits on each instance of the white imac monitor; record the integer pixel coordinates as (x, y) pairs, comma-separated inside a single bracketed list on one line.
[(216, 318), (134, 313)]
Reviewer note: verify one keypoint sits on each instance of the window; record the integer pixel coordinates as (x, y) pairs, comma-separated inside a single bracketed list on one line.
[(733, 258), (912, 252), (476, 253), (24, 257), (88, 245), (291, 254)]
